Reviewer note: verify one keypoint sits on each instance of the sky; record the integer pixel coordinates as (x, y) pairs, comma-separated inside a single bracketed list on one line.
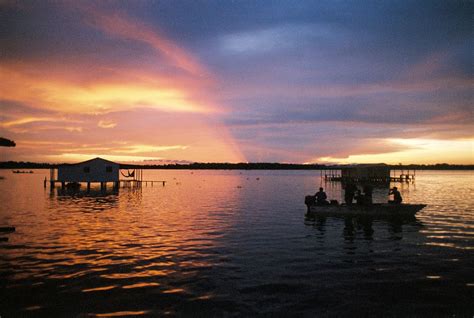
[(237, 81)]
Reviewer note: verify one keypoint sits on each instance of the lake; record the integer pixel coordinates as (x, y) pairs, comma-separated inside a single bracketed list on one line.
[(233, 243)]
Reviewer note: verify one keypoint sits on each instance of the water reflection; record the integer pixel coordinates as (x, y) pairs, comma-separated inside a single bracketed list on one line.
[(226, 244), (91, 192), (354, 226), (160, 243), (82, 201)]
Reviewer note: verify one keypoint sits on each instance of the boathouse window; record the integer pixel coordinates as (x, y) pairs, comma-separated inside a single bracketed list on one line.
[(108, 169), (87, 169)]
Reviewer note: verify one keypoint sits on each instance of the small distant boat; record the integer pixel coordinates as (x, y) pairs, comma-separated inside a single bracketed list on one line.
[(7, 229), (20, 171), (376, 209)]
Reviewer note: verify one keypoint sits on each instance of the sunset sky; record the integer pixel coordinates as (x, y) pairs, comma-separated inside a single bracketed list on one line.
[(237, 81)]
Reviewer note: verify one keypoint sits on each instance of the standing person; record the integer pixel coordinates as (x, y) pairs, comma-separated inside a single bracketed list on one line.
[(349, 193), (321, 197), (368, 194), (397, 197), (359, 197)]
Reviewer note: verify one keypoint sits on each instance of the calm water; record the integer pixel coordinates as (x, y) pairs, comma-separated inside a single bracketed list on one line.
[(230, 243)]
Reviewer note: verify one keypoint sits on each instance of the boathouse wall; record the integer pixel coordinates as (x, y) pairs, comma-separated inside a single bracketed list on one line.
[(366, 172), (94, 170)]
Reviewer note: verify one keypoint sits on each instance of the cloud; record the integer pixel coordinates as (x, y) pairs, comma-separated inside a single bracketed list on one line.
[(275, 38), (159, 102), (349, 142), (416, 151), (77, 157), (27, 120), (236, 82), (106, 124), (137, 148), (60, 93), (119, 24), (141, 133)]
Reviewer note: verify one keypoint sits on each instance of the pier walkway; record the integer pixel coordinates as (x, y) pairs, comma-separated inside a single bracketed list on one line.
[(124, 183), (336, 175)]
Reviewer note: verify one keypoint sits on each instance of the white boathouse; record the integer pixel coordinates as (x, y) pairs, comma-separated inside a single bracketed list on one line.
[(96, 170), (378, 172)]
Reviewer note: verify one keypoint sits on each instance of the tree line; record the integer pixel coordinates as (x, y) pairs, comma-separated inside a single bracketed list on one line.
[(240, 166)]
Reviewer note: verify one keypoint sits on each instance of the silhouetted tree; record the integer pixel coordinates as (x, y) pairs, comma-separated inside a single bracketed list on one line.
[(7, 142)]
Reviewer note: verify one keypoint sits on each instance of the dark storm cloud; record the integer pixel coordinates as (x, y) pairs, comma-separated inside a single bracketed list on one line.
[(405, 63)]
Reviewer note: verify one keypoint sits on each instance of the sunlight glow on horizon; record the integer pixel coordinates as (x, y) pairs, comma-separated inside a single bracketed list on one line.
[(419, 151)]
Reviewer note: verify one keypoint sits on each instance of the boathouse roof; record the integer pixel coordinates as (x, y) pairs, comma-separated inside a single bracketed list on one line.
[(366, 172), (90, 161), (364, 165)]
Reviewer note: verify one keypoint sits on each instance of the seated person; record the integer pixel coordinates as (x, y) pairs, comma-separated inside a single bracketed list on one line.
[(321, 197), (397, 197)]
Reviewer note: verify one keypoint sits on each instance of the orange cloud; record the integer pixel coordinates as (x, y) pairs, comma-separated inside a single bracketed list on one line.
[(137, 148), (27, 120), (106, 124), (167, 106), (61, 94)]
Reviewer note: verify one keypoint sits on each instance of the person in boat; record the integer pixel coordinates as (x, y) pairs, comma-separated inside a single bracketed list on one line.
[(368, 194), (349, 192), (321, 197), (397, 197), (359, 197)]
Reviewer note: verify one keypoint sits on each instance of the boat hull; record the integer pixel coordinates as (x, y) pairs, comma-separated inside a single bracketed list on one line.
[(383, 209)]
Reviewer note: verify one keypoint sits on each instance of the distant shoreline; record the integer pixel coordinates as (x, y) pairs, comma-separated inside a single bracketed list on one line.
[(239, 166)]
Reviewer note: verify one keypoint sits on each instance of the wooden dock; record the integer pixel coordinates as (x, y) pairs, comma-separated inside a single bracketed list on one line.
[(124, 183), (401, 178), (335, 175), (81, 175), (141, 182)]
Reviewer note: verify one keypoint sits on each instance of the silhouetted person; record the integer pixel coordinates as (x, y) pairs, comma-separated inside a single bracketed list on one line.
[(397, 197), (359, 197), (368, 194), (349, 193), (321, 197)]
